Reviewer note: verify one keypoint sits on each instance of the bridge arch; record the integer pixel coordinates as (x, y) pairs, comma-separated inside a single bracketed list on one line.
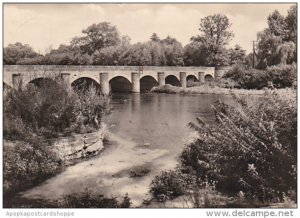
[(172, 80), (147, 83), (120, 84), (41, 82), (208, 78), (84, 84), (192, 78), (6, 88)]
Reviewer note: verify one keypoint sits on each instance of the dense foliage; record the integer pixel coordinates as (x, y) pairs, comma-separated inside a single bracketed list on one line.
[(90, 200), (102, 44), (38, 109), (250, 151), (34, 115), (280, 76), (277, 43), (27, 163), (170, 184)]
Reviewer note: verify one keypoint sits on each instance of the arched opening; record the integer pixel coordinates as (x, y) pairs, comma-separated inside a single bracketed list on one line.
[(172, 80), (47, 87), (6, 88), (147, 83), (42, 83), (120, 84), (191, 80), (84, 84), (208, 78)]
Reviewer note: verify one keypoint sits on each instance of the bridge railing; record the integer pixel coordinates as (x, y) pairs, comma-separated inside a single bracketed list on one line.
[(101, 68)]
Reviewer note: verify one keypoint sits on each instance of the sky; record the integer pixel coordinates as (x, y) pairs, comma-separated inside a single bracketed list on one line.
[(46, 26)]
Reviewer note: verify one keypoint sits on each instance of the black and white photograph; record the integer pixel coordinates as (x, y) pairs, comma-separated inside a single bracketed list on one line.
[(149, 105)]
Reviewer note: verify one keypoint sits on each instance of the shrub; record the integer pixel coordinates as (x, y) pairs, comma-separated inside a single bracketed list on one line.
[(34, 115), (28, 163), (170, 184), (48, 109), (247, 78), (281, 76), (43, 108), (252, 148), (84, 199), (90, 107), (90, 200), (139, 171)]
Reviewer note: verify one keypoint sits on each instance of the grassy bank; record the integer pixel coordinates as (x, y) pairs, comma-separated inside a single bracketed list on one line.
[(206, 89)]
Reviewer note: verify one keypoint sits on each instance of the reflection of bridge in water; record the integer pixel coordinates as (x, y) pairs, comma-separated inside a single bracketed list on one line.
[(116, 78)]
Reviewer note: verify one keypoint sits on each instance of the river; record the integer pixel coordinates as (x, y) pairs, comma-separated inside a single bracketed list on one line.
[(145, 130)]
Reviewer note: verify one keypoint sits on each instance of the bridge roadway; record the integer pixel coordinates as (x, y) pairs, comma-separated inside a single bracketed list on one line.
[(24, 74)]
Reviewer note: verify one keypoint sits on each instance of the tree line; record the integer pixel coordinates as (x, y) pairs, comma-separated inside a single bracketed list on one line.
[(102, 44)]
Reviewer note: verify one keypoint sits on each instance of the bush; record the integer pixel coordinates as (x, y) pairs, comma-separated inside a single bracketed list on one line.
[(281, 76), (252, 148), (84, 199), (247, 78), (34, 115), (28, 163), (139, 171), (170, 184), (48, 109), (89, 200)]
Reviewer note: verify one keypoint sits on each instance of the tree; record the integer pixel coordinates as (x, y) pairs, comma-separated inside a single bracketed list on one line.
[(291, 24), (195, 54), (97, 36), (154, 38), (67, 55), (14, 53), (173, 51), (215, 35), (276, 44), (277, 24), (236, 55)]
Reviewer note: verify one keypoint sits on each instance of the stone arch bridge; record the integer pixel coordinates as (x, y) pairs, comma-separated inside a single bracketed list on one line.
[(104, 75)]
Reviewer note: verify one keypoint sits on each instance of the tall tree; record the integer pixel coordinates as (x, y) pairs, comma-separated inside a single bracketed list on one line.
[(276, 44), (291, 24), (215, 35), (97, 36), (277, 24), (195, 54), (236, 55)]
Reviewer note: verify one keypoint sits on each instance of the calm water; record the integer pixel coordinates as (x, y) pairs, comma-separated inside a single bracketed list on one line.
[(159, 119), (148, 130)]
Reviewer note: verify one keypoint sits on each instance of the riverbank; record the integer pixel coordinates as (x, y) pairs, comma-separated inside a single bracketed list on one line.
[(205, 89), (67, 151), (111, 173)]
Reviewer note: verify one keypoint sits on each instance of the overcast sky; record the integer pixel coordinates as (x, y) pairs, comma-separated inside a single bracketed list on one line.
[(48, 25)]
